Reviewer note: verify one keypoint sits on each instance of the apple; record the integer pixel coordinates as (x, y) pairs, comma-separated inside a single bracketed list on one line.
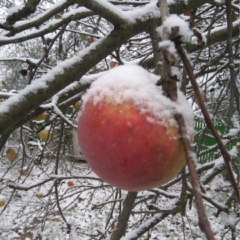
[(70, 183), (44, 134), (127, 130)]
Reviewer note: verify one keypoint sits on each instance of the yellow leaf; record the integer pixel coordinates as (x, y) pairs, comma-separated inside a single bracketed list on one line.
[(11, 154)]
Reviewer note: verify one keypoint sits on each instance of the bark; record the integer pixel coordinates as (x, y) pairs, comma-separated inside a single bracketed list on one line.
[(29, 8), (124, 216)]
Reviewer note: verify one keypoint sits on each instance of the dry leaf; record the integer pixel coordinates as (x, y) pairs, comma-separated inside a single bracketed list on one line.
[(11, 154)]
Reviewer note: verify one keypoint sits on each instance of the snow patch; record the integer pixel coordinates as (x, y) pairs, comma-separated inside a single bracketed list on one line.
[(175, 21), (15, 9)]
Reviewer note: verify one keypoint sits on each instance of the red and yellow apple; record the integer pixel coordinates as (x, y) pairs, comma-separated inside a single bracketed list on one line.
[(129, 147)]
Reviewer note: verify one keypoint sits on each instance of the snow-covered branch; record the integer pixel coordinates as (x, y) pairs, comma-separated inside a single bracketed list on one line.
[(62, 75)]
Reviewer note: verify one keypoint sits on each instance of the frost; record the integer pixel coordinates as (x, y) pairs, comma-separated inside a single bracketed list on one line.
[(175, 21)]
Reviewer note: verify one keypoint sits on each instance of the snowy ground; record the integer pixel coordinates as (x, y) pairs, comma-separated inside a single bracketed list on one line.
[(91, 207)]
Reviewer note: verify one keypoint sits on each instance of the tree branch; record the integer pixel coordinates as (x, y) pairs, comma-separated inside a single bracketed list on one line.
[(210, 125), (49, 27), (124, 216), (39, 19), (203, 220), (17, 107), (169, 86), (150, 223), (29, 8), (107, 10)]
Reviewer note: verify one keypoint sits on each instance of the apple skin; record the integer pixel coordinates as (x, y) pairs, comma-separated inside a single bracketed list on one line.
[(127, 150)]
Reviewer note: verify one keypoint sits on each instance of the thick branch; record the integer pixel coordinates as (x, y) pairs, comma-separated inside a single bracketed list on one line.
[(107, 10), (29, 8), (230, 57), (39, 19), (16, 108), (217, 36), (181, 6), (46, 29)]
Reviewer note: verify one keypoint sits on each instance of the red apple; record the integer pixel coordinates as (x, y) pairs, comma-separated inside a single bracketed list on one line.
[(124, 140)]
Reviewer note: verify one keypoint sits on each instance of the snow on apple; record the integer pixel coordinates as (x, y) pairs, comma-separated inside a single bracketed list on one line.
[(127, 130)]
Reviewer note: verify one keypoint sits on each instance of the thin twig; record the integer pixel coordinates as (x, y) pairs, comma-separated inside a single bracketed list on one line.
[(169, 87), (203, 220), (209, 123), (56, 182)]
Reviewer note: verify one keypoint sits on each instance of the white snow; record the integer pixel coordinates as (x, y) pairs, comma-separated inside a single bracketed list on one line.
[(175, 71), (173, 21), (149, 10), (170, 47), (132, 83), (2, 197), (15, 9), (94, 207)]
